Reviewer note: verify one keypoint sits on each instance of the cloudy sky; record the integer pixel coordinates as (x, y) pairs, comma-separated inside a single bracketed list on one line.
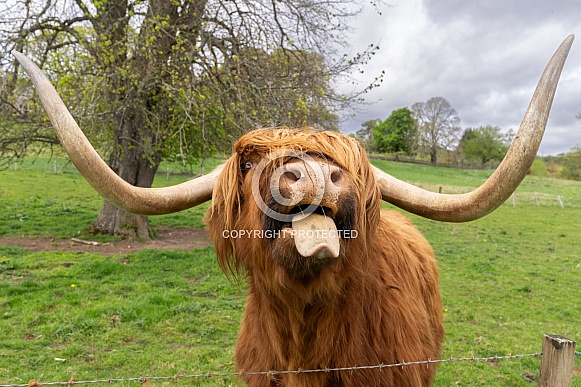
[(484, 56)]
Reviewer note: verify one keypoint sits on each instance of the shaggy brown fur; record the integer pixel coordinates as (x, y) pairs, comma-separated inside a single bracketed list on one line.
[(378, 303)]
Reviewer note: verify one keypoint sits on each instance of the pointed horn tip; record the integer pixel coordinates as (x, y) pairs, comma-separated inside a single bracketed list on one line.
[(17, 54), (568, 40), (25, 61), (565, 46)]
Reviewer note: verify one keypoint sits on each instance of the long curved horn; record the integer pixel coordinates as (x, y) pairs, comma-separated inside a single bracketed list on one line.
[(144, 201), (509, 174)]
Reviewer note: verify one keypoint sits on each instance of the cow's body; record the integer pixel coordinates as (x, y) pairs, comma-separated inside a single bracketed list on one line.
[(388, 314)]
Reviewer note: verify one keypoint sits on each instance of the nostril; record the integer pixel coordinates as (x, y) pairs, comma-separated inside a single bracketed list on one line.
[(336, 176), (291, 176)]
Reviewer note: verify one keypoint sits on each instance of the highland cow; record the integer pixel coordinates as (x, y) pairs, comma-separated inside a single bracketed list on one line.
[(374, 300), (332, 280)]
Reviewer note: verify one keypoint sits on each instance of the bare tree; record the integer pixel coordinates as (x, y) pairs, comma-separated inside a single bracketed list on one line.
[(179, 79), (438, 125)]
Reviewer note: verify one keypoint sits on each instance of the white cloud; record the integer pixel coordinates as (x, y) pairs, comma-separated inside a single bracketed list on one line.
[(483, 56)]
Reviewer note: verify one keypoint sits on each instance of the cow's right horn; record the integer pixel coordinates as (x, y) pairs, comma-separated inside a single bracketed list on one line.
[(505, 179), (144, 201)]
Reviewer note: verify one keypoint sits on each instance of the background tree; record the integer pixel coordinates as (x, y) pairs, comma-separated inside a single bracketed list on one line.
[(173, 79), (365, 134), (438, 125), (292, 88), (572, 164), (396, 133), (484, 144)]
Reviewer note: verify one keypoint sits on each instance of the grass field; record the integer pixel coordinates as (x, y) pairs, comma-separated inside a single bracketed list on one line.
[(506, 280)]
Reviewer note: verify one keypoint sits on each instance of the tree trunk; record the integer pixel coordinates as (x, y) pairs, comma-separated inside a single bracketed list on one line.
[(137, 152), (134, 162), (113, 221), (434, 156)]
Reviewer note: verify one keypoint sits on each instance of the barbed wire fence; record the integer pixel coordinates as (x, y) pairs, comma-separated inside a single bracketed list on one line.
[(143, 379), (272, 373)]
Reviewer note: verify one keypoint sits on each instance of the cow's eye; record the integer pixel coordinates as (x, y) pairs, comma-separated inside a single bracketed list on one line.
[(247, 166)]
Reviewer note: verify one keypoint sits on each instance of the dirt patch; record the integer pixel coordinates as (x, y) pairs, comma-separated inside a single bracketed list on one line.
[(167, 239)]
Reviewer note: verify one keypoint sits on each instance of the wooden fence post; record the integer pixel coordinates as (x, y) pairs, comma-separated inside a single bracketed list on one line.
[(557, 361)]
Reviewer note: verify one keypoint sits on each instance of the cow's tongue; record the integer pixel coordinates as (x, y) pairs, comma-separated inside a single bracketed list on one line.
[(315, 236)]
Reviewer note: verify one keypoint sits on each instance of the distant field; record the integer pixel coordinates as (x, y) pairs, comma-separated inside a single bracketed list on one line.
[(463, 180), (506, 280)]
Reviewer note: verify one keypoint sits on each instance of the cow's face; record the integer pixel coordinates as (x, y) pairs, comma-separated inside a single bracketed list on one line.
[(298, 207), (308, 209)]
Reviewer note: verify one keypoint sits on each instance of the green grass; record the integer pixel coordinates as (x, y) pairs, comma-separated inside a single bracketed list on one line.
[(506, 280), (150, 313), (32, 197)]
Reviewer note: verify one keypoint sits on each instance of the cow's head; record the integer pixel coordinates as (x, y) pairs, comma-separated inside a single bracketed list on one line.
[(291, 172), (293, 200)]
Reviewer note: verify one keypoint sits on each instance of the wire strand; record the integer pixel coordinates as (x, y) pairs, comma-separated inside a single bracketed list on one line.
[(143, 379)]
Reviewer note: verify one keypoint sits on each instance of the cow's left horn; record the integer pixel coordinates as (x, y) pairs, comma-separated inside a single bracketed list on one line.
[(509, 174), (145, 201)]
